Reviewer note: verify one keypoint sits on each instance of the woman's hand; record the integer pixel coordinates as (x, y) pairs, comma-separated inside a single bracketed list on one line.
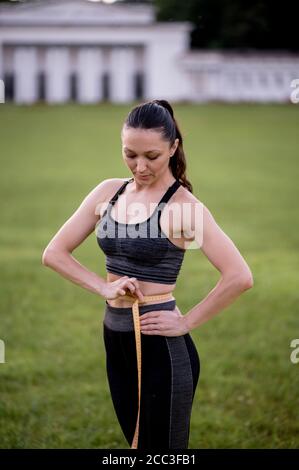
[(117, 288), (164, 323)]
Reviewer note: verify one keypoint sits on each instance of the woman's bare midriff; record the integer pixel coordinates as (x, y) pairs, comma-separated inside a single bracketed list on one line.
[(147, 288)]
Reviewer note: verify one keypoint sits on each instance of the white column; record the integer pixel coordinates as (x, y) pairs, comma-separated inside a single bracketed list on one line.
[(89, 67), (251, 85), (25, 70), (239, 84), (122, 68), (198, 84), (228, 84), (213, 83), (57, 69), (164, 76), (246, 83), (287, 80), (2, 86), (257, 87), (1, 61), (274, 85)]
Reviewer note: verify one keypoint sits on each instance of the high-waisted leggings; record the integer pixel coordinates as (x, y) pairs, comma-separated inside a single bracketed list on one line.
[(170, 373)]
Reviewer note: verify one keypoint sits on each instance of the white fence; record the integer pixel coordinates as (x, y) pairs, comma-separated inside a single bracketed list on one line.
[(232, 77)]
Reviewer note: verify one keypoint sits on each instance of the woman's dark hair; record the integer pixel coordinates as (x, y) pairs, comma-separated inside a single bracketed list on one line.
[(158, 115)]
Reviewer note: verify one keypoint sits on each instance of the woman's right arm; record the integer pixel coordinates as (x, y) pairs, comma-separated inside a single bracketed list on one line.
[(58, 253)]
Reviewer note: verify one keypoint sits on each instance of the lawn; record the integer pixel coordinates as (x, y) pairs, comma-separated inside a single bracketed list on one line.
[(243, 164)]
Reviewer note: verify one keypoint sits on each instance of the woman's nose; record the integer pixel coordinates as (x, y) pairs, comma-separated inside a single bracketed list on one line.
[(141, 167)]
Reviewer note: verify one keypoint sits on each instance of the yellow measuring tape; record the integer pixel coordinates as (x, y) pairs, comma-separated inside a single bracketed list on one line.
[(135, 309)]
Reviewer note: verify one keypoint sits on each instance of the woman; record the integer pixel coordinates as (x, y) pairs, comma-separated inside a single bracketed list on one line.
[(153, 375)]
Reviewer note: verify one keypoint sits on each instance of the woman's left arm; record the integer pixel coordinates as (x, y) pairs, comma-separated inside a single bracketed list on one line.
[(236, 276)]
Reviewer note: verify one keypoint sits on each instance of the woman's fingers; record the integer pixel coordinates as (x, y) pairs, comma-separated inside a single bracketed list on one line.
[(129, 285), (132, 284), (123, 285), (139, 294), (137, 291)]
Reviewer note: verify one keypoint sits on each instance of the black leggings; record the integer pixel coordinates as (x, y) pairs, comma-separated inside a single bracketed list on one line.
[(170, 372)]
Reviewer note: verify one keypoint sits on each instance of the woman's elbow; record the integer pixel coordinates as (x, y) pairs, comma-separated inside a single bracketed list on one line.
[(45, 258), (246, 281), (48, 257), (240, 280)]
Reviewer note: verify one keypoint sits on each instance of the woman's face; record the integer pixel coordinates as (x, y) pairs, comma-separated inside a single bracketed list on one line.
[(146, 154)]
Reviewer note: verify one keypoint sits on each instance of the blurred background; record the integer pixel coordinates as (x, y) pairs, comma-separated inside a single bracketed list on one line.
[(70, 72), (196, 50)]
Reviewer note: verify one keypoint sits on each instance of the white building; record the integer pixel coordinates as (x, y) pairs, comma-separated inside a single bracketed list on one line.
[(86, 51)]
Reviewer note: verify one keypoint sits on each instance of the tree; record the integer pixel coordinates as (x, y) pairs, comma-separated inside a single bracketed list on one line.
[(235, 24)]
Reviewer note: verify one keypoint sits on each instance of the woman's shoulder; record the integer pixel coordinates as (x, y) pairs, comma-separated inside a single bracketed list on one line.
[(105, 190), (109, 184), (189, 202), (183, 195), (187, 210)]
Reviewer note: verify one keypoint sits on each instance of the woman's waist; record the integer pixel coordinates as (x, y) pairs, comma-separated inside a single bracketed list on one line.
[(121, 318), (150, 299), (148, 289)]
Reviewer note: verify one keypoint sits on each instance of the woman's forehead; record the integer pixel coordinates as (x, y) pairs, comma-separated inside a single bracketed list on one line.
[(141, 138)]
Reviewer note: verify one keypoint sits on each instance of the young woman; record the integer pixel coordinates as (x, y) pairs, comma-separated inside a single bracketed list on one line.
[(152, 363)]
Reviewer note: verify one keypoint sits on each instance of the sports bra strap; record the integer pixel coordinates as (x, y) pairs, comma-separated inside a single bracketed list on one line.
[(170, 191), (119, 191)]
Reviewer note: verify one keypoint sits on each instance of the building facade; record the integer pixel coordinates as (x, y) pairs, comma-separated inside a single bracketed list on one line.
[(89, 52)]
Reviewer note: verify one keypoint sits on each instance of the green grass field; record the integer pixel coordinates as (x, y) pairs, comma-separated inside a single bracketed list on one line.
[(243, 164)]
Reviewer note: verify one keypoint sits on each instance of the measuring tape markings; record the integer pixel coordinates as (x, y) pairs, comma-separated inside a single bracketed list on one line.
[(136, 320)]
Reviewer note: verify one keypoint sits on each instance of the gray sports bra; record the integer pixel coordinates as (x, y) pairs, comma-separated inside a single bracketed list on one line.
[(140, 250)]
